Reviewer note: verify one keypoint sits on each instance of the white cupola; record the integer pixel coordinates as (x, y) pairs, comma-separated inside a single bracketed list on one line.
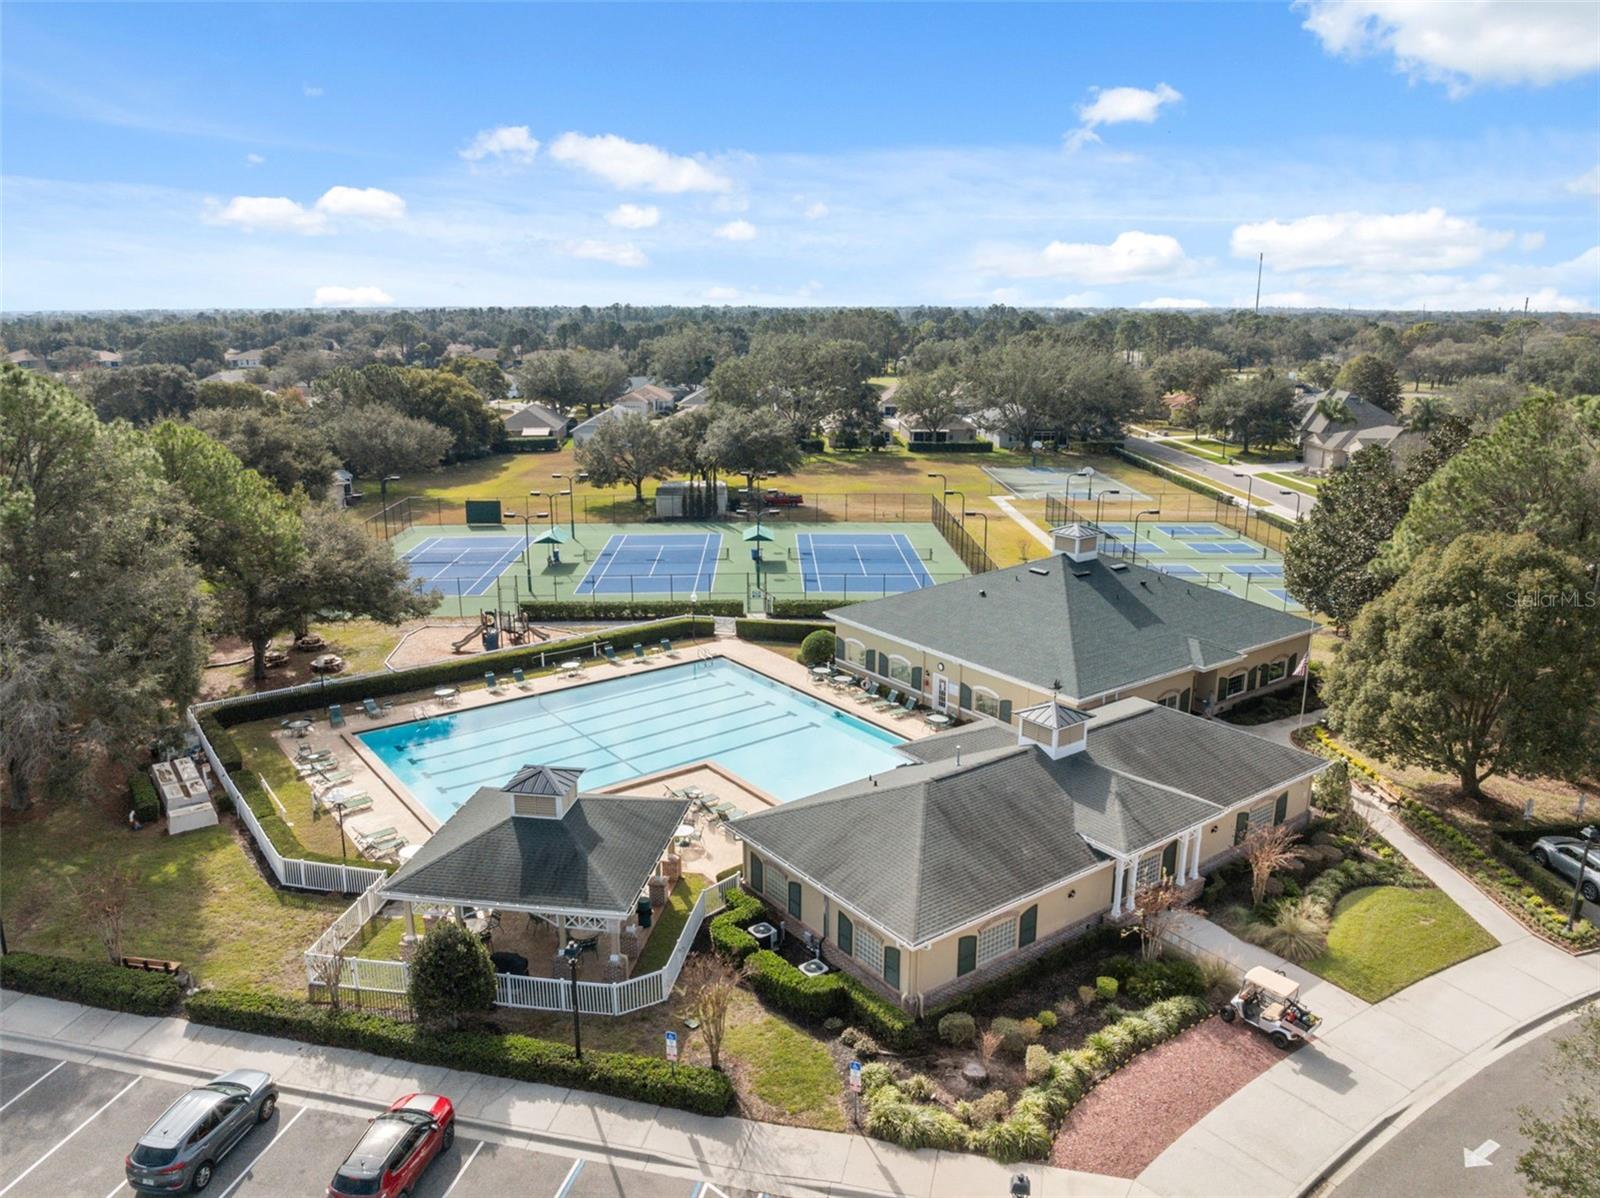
[(1056, 728), (1080, 542), (542, 791)]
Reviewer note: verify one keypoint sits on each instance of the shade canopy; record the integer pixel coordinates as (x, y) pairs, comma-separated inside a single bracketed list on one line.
[(551, 536), (757, 533)]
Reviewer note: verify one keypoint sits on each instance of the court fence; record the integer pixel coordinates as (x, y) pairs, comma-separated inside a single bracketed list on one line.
[(954, 531), (1175, 507)]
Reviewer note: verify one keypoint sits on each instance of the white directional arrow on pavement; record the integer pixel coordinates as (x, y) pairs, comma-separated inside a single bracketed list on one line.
[(1478, 1158)]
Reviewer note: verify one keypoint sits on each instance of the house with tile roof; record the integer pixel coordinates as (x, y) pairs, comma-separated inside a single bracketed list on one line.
[(1074, 625), (1010, 840)]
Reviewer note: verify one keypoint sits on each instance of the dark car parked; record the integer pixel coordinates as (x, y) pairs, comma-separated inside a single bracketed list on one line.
[(183, 1147), (396, 1147)]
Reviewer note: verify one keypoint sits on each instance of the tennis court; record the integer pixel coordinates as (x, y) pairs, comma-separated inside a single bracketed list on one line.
[(1205, 553), (462, 565), (655, 564), (1195, 532), (844, 563), (1034, 481)]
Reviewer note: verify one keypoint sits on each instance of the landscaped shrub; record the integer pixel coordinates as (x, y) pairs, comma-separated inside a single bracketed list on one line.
[(1013, 1039), (1047, 1019), (1019, 1138), (862, 1042), (1087, 995), (874, 1076), (980, 998), (627, 609), (805, 609), (958, 1028), (912, 1126), (787, 632), (984, 1111), (1334, 883), (916, 1088), (451, 975), (146, 803), (889, 1023), (523, 1058), (817, 648), (728, 935), (1151, 981), (1105, 988), (785, 987), (222, 743), (1036, 1062), (96, 983)]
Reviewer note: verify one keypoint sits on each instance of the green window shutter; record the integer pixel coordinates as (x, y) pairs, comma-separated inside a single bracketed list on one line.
[(966, 697), (1241, 827), (1169, 860), (847, 935), (1254, 672), (1280, 809), (872, 661), (916, 678), (1005, 711), (1186, 700), (1028, 927), (1294, 661), (966, 955), (794, 899), (891, 966), (758, 873)]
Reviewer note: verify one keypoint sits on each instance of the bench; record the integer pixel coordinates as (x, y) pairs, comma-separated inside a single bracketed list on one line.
[(152, 965)]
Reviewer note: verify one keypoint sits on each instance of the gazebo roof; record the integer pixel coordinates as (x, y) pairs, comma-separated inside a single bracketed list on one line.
[(557, 781), (1054, 714)]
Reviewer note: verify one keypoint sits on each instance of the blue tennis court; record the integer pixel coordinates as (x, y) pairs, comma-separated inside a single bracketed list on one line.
[(1281, 595), (1258, 570), (654, 564), (1179, 570), (1225, 548), (1121, 531), (860, 562), (1203, 532), (471, 564)]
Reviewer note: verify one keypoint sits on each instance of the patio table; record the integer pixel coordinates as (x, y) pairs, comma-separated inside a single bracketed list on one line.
[(445, 694), (821, 671), (939, 720), (299, 727)]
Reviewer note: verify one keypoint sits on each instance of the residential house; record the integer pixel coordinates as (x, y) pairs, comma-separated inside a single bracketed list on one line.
[(26, 359), (958, 429), (1009, 841), (242, 359), (1180, 404), (535, 420), (1073, 625), (108, 359), (652, 399), (697, 397), (1326, 444)]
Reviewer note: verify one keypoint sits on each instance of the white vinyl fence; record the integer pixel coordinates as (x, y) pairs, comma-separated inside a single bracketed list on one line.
[(511, 990)]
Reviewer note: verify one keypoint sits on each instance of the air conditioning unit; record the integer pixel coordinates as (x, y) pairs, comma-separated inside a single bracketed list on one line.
[(814, 968)]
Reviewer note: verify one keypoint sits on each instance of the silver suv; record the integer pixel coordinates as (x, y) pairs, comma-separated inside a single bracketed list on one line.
[(1563, 855), (183, 1147)]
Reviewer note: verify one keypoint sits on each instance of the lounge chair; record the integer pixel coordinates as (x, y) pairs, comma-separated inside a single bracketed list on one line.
[(348, 804), (611, 654), (909, 707), (334, 779), (891, 700), (491, 682), (370, 706), (307, 754), (316, 767), (336, 716), (866, 692), (666, 647), (522, 682), (381, 842), (638, 651)]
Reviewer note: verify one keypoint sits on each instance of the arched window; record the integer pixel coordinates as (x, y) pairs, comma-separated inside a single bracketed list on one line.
[(855, 652), (1232, 685), (986, 702), (899, 669), (1170, 699)]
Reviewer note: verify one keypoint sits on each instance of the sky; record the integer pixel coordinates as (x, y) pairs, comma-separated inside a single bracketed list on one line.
[(1378, 153)]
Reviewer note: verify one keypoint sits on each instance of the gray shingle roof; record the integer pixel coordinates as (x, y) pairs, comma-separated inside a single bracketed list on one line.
[(970, 739), (1083, 626), (596, 858), (552, 780), (1053, 715)]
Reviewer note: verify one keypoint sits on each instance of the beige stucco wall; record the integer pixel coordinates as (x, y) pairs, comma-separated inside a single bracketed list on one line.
[(1220, 841), (1206, 683)]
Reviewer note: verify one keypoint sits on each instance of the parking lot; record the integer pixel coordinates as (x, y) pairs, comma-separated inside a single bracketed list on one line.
[(65, 1128)]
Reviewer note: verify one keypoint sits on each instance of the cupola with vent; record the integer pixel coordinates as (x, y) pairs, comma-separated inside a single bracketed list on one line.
[(1080, 542), (1054, 727), (542, 791)]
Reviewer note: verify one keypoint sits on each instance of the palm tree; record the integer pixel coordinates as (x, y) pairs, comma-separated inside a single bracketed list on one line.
[(1332, 408), (1426, 413)]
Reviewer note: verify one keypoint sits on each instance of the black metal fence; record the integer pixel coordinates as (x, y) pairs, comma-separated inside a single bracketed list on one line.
[(1174, 506), (954, 530)]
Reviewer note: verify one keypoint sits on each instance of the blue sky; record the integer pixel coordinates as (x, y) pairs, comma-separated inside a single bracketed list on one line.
[(1381, 153)]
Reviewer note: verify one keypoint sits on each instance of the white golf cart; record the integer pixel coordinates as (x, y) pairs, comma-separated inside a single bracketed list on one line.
[(1269, 1000)]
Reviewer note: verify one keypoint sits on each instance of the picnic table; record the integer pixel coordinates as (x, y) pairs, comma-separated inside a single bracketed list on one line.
[(299, 727), (445, 694)]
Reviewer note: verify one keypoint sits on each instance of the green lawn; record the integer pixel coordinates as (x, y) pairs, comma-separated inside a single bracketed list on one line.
[(263, 756), (199, 899), (1197, 451), (669, 922), (1386, 937), (788, 1071), (1304, 485), (380, 940)]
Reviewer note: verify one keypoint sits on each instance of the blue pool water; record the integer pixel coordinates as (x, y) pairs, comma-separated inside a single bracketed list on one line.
[(784, 742)]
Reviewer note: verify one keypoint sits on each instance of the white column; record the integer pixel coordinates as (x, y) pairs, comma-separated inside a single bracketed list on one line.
[(1194, 862), (1181, 874), (1116, 888), (1133, 882)]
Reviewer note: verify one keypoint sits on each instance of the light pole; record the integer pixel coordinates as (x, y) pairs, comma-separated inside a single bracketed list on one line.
[(1296, 495), (944, 483), (1099, 504), (1153, 511), (383, 499), (985, 518), (572, 507), (570, 954), (1249, 497), (527, 545), (963, 507), (1591, 838)]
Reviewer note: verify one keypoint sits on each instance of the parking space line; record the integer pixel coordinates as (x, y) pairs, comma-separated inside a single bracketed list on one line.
[(59, 1143), (19, 1096), (465, 1165), (572, 1176), (245, 1172)]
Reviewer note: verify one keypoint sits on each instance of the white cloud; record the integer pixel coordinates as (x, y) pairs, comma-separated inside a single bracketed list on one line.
[(1119, 105), (1167, 301), (362, 203), (311, 90), (1531, 241), (254, 159), (816, 211), (1461, 43), (1586, 184), (1082, 299), (506, 143), (1132, 255), (618, 253), (1428, 240), (737, 230), (351, 297), (634, 216), (633, 164), (721, 295)]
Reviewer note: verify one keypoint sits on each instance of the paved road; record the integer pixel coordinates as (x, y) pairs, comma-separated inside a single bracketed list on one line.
[(65, 1128), (1426, 1157), (1266, 494)]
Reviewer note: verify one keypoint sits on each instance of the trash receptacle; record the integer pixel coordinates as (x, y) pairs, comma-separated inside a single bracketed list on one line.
[(645, 913)]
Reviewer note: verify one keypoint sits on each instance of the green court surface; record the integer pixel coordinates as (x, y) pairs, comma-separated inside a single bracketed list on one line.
[(476, 568), (1204, 551)]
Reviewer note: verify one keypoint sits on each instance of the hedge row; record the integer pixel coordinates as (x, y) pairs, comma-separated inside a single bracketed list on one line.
[(222, 742), (978, 446), (834, 994), (805, 609), (529, 445), (626, 609), (145, 801), (398, 682), (523, 1058), (1515, 857), (99, 984), (1334, 883), (1511, 891), (728, 935), (788, 632)]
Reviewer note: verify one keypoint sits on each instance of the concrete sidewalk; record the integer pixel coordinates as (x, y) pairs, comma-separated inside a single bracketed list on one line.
[(761, 1157), (1280, 1133)]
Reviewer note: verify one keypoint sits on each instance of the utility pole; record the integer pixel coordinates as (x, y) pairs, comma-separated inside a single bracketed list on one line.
[(1261, 262)]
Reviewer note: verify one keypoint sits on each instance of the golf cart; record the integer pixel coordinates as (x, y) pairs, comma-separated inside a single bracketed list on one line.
[(1268, 1000)]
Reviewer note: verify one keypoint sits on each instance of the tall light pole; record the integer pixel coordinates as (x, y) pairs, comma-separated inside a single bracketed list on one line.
[(963, 505), (1249, 497), (572, 507), (527, 547), (944, 483), (383, 499), (1296, 495), (1153, 511), (985, 517), (570, 954), (1099, 504), (1591, 838)]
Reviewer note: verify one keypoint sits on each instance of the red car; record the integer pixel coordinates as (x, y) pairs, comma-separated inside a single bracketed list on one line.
[(398, 1145), (782, 499)]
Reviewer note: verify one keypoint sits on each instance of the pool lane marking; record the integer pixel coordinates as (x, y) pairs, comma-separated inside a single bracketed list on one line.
[(59, 1144), (465, 1165), (18, 1097), (572, 1176), (256, 1160)]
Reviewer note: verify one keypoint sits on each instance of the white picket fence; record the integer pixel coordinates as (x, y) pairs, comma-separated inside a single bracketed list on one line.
[(512, 990)]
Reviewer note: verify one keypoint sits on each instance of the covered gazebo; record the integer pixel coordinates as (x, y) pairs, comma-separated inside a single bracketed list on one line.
[(535, 845)]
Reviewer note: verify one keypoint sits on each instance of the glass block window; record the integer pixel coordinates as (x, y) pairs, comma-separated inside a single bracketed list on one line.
[(869, 950), (986, 702), (996, 940), (1260, 817), (777, 887), (900, 669), (1149, 870)]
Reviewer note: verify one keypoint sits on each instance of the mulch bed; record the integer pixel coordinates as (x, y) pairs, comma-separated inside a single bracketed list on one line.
[(1126, 1121)]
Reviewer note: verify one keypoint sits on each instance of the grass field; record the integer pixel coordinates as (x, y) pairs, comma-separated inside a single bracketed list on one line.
[(789, 1072), (263, 757), (669, 922), (1305, 486), (1386, 937), (199, 898)]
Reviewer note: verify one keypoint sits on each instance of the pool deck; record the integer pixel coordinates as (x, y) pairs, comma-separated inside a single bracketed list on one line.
[(393, 806)]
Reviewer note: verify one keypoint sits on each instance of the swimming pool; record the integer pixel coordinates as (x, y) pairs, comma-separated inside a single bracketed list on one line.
[(781, 740)]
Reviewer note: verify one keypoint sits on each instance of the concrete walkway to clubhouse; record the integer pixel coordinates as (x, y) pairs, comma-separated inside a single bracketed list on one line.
[(760, 1157), (1294, 1124)]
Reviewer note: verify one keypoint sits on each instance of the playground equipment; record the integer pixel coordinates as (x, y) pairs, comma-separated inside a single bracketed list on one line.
[(492, 625)]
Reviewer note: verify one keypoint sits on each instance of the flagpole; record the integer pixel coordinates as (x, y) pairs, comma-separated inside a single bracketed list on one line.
[(1305, 685)]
